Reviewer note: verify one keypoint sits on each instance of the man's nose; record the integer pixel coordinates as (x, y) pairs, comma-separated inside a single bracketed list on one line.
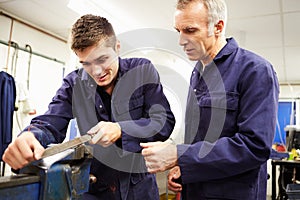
[(97, 69), (182, 39)]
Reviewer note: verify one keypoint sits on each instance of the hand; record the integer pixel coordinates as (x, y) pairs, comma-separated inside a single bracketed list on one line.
[(159, 156), (105, 133), (25, 149), (174, 174)]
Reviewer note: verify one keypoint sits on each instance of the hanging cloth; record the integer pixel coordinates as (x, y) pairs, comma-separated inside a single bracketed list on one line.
[(7, 107)]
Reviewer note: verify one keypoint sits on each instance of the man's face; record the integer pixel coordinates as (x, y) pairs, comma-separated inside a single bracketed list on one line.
[(101, 63), (192, 25)]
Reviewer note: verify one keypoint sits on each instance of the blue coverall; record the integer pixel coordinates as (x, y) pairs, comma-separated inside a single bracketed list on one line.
[(120, 169), (230, 124)]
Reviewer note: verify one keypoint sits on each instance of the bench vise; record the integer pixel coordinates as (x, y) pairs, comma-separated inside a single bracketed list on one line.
[(61, 176)]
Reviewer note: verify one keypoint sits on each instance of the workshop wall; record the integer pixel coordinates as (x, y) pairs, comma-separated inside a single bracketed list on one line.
[(47, 65), (291, 91)]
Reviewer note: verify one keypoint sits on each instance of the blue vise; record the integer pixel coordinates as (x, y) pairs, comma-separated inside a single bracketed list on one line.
[(62, 176)]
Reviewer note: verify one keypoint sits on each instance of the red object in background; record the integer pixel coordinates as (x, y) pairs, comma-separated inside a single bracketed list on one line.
[(280, 148), (178, 196), (32, 112)]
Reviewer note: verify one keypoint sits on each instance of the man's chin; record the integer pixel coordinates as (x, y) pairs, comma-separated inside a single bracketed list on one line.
[(193, 58)]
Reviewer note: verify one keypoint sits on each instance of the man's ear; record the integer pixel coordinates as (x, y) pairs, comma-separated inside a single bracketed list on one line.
[(219, 27), (118, 46)]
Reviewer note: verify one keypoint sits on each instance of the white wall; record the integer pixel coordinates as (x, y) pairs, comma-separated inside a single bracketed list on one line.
[(290, 91)]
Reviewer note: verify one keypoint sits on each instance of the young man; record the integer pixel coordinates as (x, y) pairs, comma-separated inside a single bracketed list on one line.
[(120, 99), (230, 117)]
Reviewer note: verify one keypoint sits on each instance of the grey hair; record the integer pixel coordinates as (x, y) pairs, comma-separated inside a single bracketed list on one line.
[(217, 10)]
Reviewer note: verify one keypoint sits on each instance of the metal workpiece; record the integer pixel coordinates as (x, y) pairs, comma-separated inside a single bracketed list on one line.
[(69, 145), (61, 176)]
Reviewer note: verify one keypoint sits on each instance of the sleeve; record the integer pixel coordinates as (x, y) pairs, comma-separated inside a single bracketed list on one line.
[(248, 147), (144, 113)]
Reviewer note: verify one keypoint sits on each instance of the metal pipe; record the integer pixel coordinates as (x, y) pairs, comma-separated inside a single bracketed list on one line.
[(34, 53), (28, 47), (8, 49), (289, 84), (14, 59)]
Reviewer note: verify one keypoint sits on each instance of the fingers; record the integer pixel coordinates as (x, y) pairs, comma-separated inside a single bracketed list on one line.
[(173, 176), (95, 129), (148, 144), (105, 133), (151, 163), (104, 140), (23, 150), (174, 173), (38, 150), (150, 148), (18, 154), (175, 187), (159, 156), (97, 134), (97, 137), (153, 167), (146, 152)]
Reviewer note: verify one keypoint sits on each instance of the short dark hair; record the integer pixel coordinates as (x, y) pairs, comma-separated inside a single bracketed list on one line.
[(89, 30)]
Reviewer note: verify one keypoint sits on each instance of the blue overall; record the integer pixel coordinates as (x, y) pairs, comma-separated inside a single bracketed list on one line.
[(120, 169), (230, 124)]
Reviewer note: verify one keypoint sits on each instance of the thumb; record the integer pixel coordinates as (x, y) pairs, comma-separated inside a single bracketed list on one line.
[(38, 150), (95, 128)]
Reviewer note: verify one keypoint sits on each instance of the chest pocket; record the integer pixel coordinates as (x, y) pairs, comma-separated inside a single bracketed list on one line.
[(219, 100), (129, 109), (218, 115)]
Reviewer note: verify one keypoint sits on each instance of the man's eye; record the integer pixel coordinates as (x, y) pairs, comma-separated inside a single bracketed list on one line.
[(101, 60), (86, 64), (190, 30)]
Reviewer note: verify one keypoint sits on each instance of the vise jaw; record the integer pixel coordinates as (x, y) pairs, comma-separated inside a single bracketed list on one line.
[(62, 176)]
